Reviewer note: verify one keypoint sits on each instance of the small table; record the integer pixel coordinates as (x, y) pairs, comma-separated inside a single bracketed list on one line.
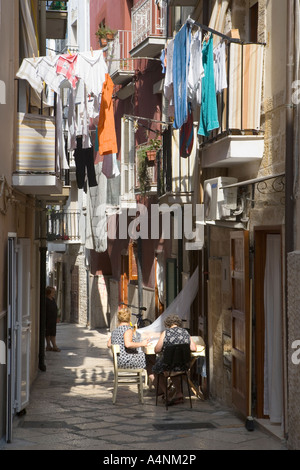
[(195, 354)]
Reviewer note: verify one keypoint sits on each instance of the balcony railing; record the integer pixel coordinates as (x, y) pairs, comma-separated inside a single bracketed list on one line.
[(148, 20), (37, 169), (56, 6), (151, 169), (63, 225), (118, 57)]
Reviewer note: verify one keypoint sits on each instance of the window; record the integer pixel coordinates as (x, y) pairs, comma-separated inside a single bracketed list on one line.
[(253, 22)]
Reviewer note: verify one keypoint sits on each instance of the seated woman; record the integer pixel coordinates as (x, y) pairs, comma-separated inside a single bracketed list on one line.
[(129, 357), (174, 334)]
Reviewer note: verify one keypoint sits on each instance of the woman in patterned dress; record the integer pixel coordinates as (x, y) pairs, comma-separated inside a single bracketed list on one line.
[(174, 334), (129, 356)]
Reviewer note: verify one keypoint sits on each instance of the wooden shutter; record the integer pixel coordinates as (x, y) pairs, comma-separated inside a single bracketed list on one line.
[(127, 162), (133, 261), (124, 278), (239, 255)]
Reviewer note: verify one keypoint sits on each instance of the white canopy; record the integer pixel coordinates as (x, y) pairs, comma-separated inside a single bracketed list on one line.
[(180, 306)]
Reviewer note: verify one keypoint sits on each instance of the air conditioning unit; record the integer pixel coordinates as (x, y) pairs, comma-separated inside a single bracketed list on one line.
[(219, 203)]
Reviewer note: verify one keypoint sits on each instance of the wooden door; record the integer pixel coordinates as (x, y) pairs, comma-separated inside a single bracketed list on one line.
[(239, 255)]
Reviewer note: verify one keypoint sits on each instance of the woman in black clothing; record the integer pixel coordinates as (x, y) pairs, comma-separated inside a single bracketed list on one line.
[(51, 320)]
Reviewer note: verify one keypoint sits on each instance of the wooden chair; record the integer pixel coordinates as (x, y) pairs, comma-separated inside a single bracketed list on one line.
[(127, 376), (176, 355)]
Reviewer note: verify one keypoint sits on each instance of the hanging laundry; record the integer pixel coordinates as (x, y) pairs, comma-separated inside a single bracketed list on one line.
[(162, 60), (92, 68), (84, 161), (220, 67), (96, 226), (28, 71), (209, 111), (168, 84), (47, 72), (187, 135), (110, 167), (60, 141), (106, 126), (196, 70), (83, 118), (66, 66), (72, 123), (181, 57)]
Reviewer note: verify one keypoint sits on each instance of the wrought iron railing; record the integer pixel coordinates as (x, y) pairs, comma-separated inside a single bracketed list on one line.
[(118, 57), (145, 169), (63, 225), (148, 19)]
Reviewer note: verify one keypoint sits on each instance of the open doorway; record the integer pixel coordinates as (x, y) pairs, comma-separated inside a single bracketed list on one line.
[(268, 326)]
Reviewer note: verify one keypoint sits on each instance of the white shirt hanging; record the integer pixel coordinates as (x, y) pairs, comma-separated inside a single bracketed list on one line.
[(196, 70)]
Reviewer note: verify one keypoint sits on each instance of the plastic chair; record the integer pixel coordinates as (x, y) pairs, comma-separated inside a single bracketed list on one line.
[(126, 376), (176, 355)]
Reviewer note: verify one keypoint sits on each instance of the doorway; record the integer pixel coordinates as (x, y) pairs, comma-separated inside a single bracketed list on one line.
[(268, 297)]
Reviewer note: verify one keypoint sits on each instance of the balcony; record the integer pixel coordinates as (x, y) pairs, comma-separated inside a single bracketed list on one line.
[(147, 169), (240, 138), (120, 65), (148, 29), (63, 226), (36, 164), (177, 182), (56, 20)]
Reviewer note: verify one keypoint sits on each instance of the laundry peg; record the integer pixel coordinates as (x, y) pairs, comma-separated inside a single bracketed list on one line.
[(190, 20), (69, 52), (92, 52), (33, 57)]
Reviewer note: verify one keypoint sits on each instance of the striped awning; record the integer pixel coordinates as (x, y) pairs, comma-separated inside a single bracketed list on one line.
[(35, 144)]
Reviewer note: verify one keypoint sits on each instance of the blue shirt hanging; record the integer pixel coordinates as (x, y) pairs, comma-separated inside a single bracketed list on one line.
[(181, 58), (209, 110)]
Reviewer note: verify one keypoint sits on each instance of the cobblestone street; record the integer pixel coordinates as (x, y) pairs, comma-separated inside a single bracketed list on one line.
[(71, 409)]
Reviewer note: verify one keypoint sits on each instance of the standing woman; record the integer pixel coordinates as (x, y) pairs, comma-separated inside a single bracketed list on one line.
[(51, 320)]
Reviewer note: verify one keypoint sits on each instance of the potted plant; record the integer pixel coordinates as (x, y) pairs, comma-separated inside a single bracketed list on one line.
[(154, 146), (104, 34), (143, 173)]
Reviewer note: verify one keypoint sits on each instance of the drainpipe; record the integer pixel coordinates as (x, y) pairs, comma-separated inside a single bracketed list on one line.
[(289, 165), (140, 273), (289, 158)]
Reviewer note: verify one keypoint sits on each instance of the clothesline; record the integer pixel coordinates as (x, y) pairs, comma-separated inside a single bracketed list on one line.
[(145, 119), (217, 33)]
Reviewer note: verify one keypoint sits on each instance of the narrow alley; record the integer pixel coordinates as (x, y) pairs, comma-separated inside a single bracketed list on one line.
[(71, 409)]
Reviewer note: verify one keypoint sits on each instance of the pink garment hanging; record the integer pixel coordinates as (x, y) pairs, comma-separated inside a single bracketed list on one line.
[(66, 65)]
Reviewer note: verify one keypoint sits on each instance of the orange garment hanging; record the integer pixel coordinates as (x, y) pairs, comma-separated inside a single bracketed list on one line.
[(106, 126)]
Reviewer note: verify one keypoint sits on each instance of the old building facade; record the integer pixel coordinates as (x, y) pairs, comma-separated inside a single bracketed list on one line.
[(242, 175)]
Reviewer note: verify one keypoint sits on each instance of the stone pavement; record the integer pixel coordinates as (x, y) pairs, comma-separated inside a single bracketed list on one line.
[(71, 409)]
